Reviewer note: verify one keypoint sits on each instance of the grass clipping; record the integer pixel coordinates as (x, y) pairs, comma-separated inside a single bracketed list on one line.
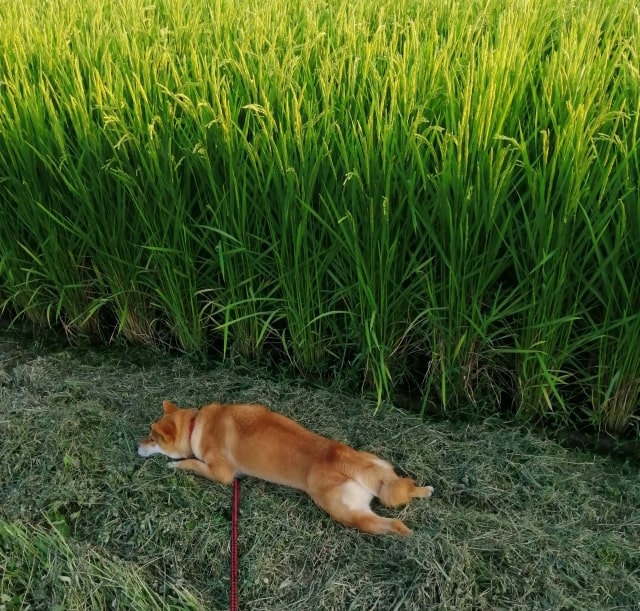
[(517, 521)]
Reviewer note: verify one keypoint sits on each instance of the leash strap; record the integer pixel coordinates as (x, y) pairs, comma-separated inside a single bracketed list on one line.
[(234, 545)]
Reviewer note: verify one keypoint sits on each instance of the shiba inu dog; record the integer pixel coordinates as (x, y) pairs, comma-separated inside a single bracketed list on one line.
[(221, 442)]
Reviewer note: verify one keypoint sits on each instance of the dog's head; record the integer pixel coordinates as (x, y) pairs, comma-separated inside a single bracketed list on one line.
[(171, 434)]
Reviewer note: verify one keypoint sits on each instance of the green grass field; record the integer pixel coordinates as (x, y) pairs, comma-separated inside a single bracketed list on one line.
[(516, 522), (438, 198)]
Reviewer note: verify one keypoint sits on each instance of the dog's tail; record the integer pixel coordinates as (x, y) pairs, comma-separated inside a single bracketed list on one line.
[(378, 476)]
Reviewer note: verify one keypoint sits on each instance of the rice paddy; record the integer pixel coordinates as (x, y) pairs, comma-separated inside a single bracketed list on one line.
[(436, 198)]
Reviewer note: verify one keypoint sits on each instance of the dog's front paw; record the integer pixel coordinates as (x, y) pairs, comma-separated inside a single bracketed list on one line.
[(172, 464)]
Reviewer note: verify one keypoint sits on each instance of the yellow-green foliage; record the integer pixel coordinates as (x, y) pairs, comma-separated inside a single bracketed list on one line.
[(441, 192)]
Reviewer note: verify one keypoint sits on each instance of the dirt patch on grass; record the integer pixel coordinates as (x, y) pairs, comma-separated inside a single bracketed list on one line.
[(517, 521)]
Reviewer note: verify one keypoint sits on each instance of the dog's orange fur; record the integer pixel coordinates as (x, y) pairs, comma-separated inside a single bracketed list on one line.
[(225, 441)]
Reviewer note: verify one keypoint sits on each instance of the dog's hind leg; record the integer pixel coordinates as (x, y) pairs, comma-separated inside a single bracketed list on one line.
[(348, 503), (399, 491), (379, 477)]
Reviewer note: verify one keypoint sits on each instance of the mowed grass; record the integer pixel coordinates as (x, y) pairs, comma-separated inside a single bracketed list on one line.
[(517, 522), (438, 197)]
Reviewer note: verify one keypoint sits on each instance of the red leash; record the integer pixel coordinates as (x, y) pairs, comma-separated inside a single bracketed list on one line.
[(234, 534), (234, 544)]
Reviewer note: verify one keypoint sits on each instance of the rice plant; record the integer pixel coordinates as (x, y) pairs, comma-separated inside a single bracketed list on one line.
[(434, 194)]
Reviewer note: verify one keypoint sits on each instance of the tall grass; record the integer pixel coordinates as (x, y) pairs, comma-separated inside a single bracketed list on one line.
[(437, 196)]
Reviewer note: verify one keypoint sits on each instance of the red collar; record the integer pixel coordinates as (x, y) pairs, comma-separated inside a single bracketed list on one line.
[(191, 425)]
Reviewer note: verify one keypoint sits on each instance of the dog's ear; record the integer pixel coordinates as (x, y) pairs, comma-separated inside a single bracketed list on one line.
[(169, 407), (164, 431)]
